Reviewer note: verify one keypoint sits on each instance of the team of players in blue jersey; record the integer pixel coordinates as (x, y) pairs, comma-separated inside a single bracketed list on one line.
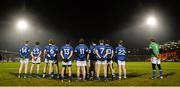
[(94, 56)]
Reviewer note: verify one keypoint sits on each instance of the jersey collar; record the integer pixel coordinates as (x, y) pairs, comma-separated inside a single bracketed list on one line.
[(101, 43), (94, 44), (120, 45), (67, 44), (107, 44)]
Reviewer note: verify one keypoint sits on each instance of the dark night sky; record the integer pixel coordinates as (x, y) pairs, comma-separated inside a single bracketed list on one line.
[(90, 19)]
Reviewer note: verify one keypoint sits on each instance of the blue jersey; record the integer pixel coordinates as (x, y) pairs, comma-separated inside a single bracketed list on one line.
[(24, 51), (109, 49), (82, 51), (66, 50), (45, 49), (36, 51), (93, 52), (101, 50), (52, 52), (121, 53)]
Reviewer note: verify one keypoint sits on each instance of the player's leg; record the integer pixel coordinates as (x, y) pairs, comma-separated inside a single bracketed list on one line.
[(83, 69), (44, 70), (50, 68), (20, 68), (70, 72), (154, 71), (92, 70), (32, 66), (154, 62), (160, 69), (124, 69), (53, 70), (98, 69), (57, 70), (26, 67), (105, 70), (62, 72), (78, 73), (95, 68), (78, 70), (112, 70), (86, 69), (120, 71), (38, 65), (45, 67)]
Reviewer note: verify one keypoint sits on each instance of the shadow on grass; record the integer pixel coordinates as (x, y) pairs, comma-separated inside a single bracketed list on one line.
[(12, 73), (134, 75), (16, 74), (169, 74)]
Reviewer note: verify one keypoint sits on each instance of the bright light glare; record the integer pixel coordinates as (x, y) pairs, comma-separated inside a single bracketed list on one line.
[(22, 25), (151, 21)]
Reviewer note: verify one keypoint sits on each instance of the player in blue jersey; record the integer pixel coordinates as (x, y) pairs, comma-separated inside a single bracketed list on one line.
[(35, 54), (121, 56), (46, 61), (52, 53), (82, 54), (24, 53), (110, 55), (55, 63), (66, 54), (93, 59), (102, 59)]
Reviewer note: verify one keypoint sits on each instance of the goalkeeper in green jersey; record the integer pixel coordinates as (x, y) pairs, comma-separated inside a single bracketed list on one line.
[(154, 49)]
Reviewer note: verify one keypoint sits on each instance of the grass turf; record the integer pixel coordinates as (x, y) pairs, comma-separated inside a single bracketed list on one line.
[(138, 74)]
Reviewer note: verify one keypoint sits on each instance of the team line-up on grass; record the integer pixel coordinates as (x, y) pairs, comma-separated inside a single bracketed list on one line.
[(101, 54)]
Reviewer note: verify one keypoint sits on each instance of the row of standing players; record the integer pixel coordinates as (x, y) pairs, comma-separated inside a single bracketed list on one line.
[(101, 54)]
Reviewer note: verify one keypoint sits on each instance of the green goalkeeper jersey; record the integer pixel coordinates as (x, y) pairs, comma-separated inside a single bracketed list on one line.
[(155, 49)]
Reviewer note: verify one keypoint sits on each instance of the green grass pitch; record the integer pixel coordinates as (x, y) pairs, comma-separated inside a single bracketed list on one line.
[(138, 74)]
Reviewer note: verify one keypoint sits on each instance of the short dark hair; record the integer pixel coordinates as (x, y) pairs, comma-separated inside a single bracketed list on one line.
[(37, 43), (107, 42), (50, 41), (152, 40), (26, 42), (81, 41), (121, 41), (101, 41), (67, 41), (53, 42), (93, 41)]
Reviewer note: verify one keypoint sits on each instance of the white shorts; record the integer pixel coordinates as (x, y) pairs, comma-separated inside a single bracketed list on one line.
[(66, 63), (110, 62), (81, 63), (101, 62), (121, 62), (46, 60), (26, 60), (38, 60), (155, 60), (53, 61)]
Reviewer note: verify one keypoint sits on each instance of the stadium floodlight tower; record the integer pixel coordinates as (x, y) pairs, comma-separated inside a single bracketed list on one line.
[(151, 21), (22, 24)]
